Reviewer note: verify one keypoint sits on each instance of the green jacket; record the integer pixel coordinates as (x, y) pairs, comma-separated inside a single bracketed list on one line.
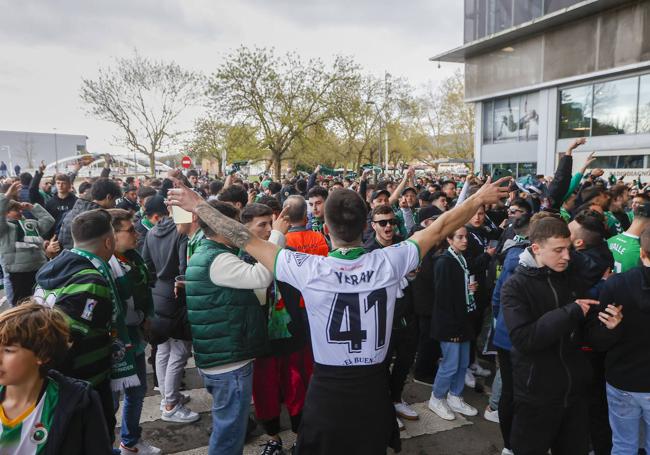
[(228, 325), (21, 244)]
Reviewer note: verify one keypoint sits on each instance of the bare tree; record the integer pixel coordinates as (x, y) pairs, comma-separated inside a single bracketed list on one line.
[(449, 120), (144, 99), (282, 97)]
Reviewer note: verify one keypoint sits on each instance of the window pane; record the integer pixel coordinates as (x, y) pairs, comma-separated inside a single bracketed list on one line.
[(527, 10), (526, 168), (512, 167), (528, 117), (604, 162), (575, 111), (499, 15), (487, 169), (506, 119), (630, 162), (644, 105), (615, 107), (488, 121)]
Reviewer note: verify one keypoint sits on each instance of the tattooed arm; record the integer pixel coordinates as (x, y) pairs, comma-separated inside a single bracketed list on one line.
[(236, 233)]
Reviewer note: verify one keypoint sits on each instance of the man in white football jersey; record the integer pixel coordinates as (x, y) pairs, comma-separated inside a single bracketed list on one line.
[(350, 298)]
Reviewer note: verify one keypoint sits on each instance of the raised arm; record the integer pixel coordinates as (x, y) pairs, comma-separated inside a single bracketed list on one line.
[(408, 175), (448, 222), (236, 233)]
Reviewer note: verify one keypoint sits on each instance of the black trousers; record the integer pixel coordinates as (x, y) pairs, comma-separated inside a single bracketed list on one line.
[(599, 429), (103, 389), (22, 285), (506, 402), (538, 428), (403, 344), (428, 350)]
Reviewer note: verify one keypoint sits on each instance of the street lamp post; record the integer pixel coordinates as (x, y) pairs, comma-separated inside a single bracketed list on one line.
[(56, 153)]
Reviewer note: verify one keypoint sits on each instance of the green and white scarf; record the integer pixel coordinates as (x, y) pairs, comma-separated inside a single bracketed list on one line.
[(123, 372), (469, 296)]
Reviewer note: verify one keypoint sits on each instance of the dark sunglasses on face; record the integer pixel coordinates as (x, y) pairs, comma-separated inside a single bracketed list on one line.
[(383, 223), (514, 211)]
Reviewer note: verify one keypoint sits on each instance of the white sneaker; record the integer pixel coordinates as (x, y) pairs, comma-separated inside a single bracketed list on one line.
[(478, 370), (180, 414), (441, 408), (470, 380), (184, 400), (507, 452), (458, 404), (400, 424), (491, 415), (141, 448), (404, 411)]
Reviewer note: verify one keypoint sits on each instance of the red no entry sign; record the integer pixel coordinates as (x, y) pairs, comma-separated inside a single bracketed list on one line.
[(186, 162)]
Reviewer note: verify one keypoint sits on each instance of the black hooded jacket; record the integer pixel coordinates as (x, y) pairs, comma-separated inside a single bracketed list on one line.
[(78, 426), (542, 319), (83, 295)]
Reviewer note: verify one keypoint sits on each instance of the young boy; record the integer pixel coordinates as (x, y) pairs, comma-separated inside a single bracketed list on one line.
[(42, 411), (350, 300)]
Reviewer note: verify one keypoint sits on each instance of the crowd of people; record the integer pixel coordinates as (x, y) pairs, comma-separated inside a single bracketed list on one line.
[(325, 294)]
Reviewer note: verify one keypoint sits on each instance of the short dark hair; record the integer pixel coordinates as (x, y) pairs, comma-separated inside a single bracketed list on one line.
[(297, 211), (146, 191), (381, 210), (215, 187), (37, 328), (103, 188), (119, 215), (225, 208), (271, 202), (437, 195), (592, 227), (519, 202), (274, 187), (448, 182), (592, 192), (345, 214), (548, 227), (301, 185), (84, 186), (25, 179), (254, 210), (618, 190), (318, 191), (192, 173), (234, 193), (90, 225), (62, 178)]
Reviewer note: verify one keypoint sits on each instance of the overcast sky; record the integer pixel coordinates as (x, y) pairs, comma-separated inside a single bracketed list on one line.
[(47, 46)]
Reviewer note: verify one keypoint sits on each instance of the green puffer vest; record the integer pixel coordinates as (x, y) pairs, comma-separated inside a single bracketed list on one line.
[(228, 325)]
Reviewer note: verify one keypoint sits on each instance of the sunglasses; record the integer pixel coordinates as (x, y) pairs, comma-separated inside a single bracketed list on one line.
[(130, 230), (383, 223), (514, 211)]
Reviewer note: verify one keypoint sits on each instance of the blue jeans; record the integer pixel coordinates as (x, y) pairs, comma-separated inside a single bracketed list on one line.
[(132, 409), (451, 372), (231, 400), (496, 391), (626, 410)]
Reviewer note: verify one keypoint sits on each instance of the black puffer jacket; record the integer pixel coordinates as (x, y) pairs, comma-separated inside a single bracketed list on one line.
[(78, 426), (542, 318)]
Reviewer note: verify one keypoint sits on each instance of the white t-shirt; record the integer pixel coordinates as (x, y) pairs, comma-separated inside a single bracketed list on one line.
[(350, 302)]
